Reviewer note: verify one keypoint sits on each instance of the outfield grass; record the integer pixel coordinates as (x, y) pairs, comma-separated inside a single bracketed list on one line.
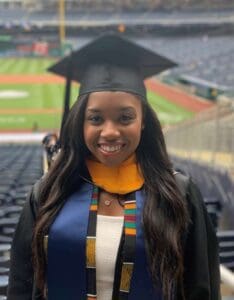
[(38, 95), (32, 121), (50, 96), (168, 113), (25, 65)]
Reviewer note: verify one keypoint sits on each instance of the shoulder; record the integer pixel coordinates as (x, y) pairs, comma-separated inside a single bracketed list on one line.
[(32, 201), (200, 224), (190, 191), (199, 219), (183, 182)]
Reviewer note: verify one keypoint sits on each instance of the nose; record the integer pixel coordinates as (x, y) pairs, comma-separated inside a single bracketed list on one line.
[(110, 131)]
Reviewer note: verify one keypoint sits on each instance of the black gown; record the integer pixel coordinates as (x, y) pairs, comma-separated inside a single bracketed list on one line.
[(201, 259)]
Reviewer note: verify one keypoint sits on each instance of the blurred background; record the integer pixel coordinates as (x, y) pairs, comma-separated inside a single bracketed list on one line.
[(194, 101)]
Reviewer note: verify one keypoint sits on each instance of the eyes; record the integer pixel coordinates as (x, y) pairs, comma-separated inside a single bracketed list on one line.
[(98, 119)]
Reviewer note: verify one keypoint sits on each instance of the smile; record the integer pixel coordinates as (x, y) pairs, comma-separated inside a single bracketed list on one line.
[(110, 149)]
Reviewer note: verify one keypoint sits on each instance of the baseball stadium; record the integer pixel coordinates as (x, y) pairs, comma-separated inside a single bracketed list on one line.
[(194, 100)]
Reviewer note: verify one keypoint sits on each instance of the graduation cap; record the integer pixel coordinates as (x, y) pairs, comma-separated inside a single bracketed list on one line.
[(109, 63)]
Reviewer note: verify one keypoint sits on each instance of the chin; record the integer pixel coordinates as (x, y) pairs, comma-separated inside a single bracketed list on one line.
[(111, 160), (110, 164)]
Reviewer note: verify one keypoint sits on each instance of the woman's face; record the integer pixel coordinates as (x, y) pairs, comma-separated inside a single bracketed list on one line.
[(112, 126)]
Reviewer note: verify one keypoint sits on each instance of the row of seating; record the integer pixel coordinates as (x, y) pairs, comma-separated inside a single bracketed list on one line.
[(226, 248), (217, 189), (21, 166), (202, 56)]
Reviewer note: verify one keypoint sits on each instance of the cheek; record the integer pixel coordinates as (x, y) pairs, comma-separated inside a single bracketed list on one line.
[(135, 134)]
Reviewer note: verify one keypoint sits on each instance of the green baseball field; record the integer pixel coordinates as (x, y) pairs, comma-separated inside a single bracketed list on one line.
[(31, 99)]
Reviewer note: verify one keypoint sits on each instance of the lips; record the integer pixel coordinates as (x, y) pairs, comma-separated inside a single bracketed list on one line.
[(110, 148)]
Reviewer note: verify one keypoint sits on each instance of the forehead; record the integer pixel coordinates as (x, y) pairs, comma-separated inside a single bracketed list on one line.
[(113, 100)]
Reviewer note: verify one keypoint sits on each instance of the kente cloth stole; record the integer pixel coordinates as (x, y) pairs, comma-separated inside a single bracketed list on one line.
[(129, 245)]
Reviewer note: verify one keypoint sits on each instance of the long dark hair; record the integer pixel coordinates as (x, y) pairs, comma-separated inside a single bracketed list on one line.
[(165, 215)]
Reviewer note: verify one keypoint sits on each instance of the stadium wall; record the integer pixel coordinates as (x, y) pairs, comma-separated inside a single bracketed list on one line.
[(207, 138)]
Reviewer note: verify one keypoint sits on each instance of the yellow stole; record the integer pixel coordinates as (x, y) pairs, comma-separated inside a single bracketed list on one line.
[(122, 180)]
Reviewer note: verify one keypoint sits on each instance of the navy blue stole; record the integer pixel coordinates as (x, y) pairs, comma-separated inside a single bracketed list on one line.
[(66, 270)]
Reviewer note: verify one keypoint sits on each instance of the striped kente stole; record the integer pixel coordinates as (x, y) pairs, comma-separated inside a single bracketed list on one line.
[(128, 251), (129, 245), (91, 247)]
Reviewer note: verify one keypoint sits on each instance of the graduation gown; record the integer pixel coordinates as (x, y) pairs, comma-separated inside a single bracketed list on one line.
[(201, 259)]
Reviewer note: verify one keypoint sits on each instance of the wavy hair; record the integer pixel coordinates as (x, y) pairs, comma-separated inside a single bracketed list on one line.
[(165, 216)]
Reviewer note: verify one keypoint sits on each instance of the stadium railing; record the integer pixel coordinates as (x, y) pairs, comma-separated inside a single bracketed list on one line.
[(208, 137)]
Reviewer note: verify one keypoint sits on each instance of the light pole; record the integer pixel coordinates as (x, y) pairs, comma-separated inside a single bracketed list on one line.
[(61, 22)]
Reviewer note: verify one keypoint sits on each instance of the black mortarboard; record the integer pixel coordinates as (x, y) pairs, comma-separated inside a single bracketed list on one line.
[(111, 63)]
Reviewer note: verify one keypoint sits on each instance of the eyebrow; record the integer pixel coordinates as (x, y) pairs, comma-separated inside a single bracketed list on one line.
[(93, 110), (121, 109)]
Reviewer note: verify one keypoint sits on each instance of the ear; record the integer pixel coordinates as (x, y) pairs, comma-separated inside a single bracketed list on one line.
[(143, 126)]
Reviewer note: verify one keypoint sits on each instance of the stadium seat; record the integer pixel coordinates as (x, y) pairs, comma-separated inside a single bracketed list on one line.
[(226, 245)]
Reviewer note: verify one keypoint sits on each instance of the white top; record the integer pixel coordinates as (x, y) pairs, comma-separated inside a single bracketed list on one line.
[(109, 230)]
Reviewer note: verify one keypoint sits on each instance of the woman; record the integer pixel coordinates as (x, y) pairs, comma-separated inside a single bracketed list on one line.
[(111, 218)]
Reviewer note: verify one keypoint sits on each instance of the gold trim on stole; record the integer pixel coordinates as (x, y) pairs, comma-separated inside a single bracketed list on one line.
[(126, 275)]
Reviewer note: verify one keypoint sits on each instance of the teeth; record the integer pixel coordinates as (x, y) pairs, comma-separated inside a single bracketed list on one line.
[(110, 148)]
